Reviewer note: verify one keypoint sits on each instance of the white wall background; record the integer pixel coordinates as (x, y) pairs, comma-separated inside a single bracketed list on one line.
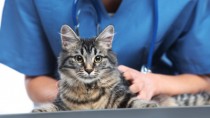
[(13, 97)]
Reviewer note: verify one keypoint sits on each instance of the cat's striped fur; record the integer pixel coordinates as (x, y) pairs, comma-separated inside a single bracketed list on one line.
[(199, 99), (90, 78)]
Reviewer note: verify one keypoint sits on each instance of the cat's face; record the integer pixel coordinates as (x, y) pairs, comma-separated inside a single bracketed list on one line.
[(86, 60)]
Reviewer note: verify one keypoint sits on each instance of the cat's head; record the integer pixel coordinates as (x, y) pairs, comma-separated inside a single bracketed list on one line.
[(86, 60)]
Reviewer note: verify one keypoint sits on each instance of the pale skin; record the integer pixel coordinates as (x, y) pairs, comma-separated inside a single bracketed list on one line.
[(41, 89)]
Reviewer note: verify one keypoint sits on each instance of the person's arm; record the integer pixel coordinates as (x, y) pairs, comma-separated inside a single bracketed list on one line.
[(184, 83), (150, 84), (41, 89)]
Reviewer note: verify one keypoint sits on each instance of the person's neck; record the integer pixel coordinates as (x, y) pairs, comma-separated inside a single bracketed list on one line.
[(111, 5)]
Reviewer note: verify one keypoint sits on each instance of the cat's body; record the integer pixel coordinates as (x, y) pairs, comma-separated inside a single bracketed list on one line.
[(107, 92), (90, 78)]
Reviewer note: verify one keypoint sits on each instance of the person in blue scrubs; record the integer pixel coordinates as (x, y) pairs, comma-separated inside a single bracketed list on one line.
[(30, 42)]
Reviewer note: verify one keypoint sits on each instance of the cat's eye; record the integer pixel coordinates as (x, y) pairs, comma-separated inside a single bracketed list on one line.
[(98, 59), (78, 58)]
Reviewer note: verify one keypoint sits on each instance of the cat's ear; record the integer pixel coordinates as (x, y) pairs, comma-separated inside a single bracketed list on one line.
[(105, 38), (69, 38)]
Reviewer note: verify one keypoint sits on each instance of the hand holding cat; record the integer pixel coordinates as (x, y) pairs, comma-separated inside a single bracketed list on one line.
[(144, 84)]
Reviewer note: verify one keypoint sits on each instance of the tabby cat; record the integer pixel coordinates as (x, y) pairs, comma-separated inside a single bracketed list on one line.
[(90, 78)]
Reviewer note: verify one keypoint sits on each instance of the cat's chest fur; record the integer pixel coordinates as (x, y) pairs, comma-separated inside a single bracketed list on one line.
[(87, 96)]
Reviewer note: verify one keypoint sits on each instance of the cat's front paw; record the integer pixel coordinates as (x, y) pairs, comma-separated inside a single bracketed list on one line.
[(145, 104), (46, 108), (38, 110), (150, 105)]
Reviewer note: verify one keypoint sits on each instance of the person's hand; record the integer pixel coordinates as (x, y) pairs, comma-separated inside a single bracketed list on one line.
[(142, 83)]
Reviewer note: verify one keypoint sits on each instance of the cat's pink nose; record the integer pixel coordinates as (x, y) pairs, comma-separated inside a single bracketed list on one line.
[(88, 70)]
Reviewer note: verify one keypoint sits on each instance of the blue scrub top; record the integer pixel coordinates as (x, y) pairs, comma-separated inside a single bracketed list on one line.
[(30, 41)]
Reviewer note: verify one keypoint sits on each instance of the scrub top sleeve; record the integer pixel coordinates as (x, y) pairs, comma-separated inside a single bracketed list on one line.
[(190, 54), (23, 44)]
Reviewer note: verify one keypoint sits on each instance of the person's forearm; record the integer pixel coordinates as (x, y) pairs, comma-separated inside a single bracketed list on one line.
[(186, 83), (41, 89)]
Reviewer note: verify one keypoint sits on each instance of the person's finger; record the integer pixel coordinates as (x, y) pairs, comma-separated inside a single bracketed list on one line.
[(144, 96), (123, 69), (127, 75), (134, 88)]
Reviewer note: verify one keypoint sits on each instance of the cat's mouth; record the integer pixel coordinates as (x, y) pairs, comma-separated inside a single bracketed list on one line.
[(91, 77), (87, 78)]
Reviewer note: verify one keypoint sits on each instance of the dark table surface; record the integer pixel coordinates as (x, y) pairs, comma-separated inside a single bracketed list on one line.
[(176, 112)]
